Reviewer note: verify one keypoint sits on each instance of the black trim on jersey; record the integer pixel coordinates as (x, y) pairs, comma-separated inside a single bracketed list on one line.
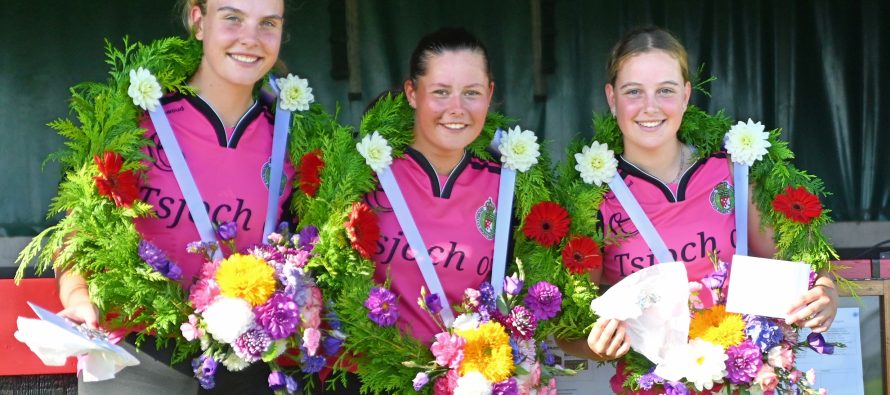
[(252, 114), (449, 183), (204, 108), (629, 169), (445, 191), (427, 168)]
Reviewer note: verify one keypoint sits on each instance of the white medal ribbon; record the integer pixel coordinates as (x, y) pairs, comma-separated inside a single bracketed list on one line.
[(740, 177), (639, 218)]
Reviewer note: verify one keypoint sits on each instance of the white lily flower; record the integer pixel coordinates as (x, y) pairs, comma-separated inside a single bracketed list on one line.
[(519, 149), (747, 142), (596, 163), (144, 89), (295, 93), (376, 151)]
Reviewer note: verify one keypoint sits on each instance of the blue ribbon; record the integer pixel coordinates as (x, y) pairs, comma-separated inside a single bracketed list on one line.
[(412, 234), (639, 218), (740, 187)]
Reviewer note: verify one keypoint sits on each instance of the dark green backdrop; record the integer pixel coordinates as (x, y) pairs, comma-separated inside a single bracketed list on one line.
[(813, 68)]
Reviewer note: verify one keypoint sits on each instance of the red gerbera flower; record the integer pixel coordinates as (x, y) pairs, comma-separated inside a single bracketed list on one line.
[(309, 171), (362, 229), (798, 205), (581, 254), (546, 223), (120, 186)]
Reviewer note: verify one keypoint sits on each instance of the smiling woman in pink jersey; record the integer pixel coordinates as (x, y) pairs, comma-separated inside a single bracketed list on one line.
[(225, 134), (688, 201)]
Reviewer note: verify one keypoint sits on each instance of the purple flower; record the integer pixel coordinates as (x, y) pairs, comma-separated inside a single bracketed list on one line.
[(279, 316), (512, 285), (154, 257), (817, 342), (382, 305), (715, 280), (544, 300), (227, 230), (549, 359), (279, 381), (308, 238), (420, 380), (332, 318), (251, 345), (521, 323), (675, 388), (434, 303), (649, 380), (331, 345), (745, 360), (311, 364), (487, 296), (205, 369), (763, 332), (517, 355), (506, 387)]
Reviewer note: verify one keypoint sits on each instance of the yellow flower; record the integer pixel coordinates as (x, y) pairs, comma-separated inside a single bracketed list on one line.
[(488, 352), (717, 326), (246, 277)]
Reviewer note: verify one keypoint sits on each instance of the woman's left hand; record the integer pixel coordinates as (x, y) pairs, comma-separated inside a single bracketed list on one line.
[(817, 308)]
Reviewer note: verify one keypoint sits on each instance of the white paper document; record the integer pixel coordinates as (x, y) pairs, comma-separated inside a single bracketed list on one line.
[(765, 287), (839, 373), (654, 305), (54, 339)]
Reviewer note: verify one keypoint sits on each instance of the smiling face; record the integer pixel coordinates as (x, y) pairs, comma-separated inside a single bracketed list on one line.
[(451, 102), (241, 40), (648, 99)]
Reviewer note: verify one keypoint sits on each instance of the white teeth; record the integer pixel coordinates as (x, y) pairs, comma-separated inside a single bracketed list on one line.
[(244, 58), (455, 126), (651, 124)]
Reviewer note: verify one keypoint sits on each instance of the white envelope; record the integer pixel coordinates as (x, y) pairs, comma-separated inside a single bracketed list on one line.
[(654, 305), (765, 287), (54, 340)]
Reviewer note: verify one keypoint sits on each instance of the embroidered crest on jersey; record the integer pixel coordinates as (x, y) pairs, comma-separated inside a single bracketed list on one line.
[(485, 219), (722, 198), (267, 172)]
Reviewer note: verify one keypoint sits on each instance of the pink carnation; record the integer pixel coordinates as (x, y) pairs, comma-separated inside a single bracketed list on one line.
[(311, 337), (311, 317), (191, 330), (531, 380), (549, 389), (781, 357), (209, 269), (203, 293), (448, 350), (767, 379), (446, 384)]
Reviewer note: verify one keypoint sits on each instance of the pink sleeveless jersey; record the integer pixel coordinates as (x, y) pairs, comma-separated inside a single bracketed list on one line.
[(231, 170), (455, 216), (694, 217)]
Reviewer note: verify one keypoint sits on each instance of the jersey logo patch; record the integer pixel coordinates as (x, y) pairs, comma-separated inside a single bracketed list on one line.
[(485, 219), (266, 172), (722, 198)]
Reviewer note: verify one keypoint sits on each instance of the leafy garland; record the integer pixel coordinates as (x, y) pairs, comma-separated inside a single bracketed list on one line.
[(773, 177), (97, 237), (347, 277)]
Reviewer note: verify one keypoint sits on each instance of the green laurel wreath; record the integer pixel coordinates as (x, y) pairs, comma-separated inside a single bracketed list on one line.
[(346, 277), (795, 241), (97, 238)]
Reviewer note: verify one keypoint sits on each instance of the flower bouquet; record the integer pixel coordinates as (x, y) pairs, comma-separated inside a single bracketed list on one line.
[(726, 352), (490, 348), (254, 305)]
